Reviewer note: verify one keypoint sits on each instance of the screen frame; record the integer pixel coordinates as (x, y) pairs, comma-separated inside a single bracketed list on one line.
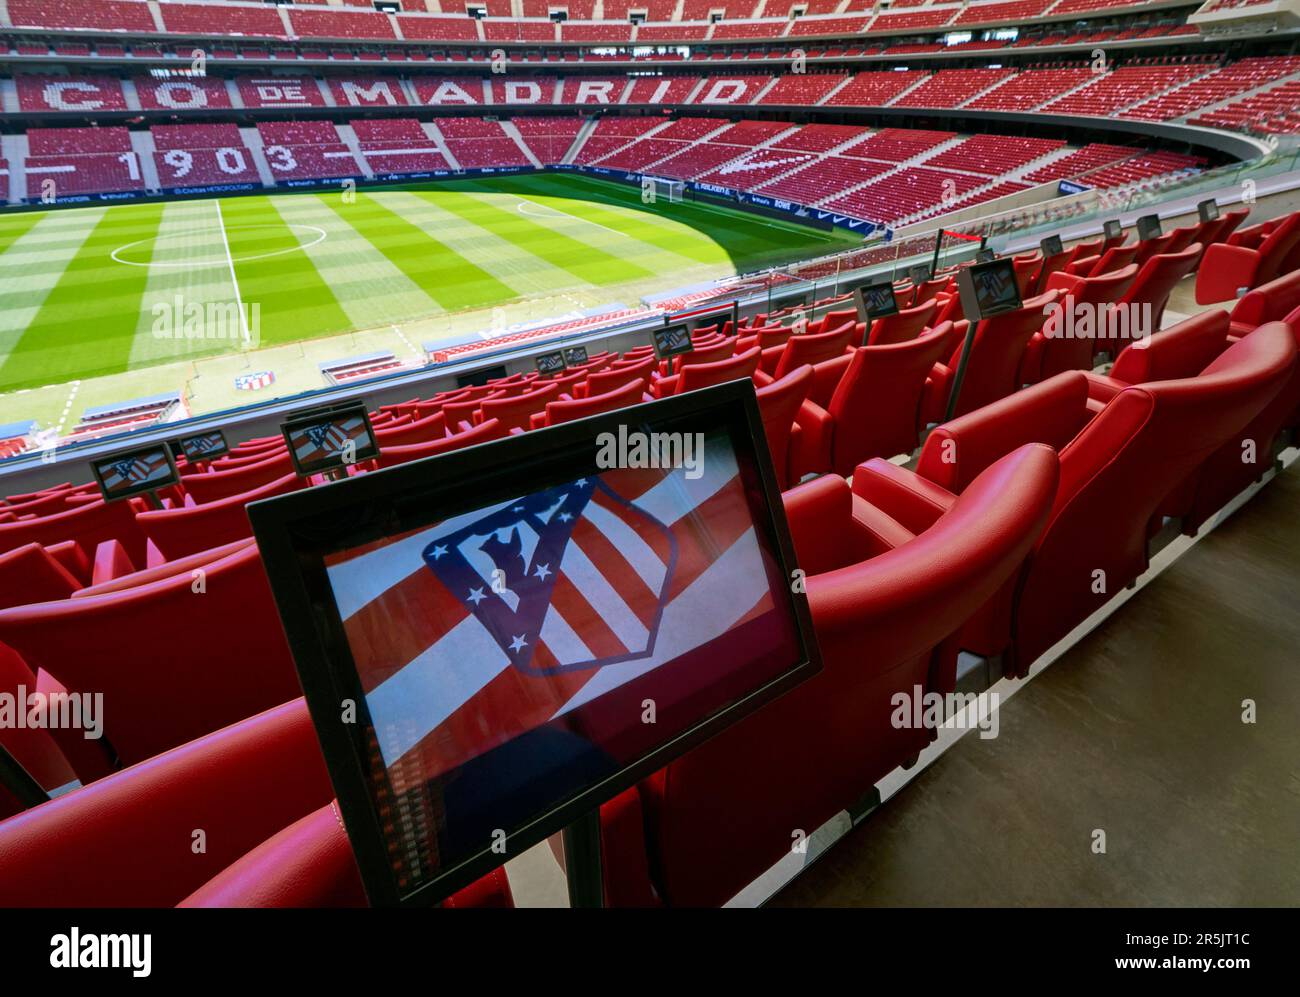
[(291, 568), (970, 298), (919, 273), (989, 255), (327, 415), (172, 478), (564, 364), (570, 361), (1146, 222), (1113, 229), (1051, 246), (865, 313), (666, 354), (1204, 208), (207, 455)]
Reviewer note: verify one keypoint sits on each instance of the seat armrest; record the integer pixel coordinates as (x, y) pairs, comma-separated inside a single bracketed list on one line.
[(1102, 387), (1050, 412), (1225, 273), (901, 494), (820, 512), (73, 557), (811, 452), (111, 561)]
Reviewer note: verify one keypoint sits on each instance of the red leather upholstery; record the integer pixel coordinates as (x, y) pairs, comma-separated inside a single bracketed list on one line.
[(1115, 476), (1182, 350), (723, 813), (616, 376), (190, 529), (1115, 258), (222, 484), (424, 430), (88, 525), (580, 408), (172, 662), (515, 412), (993, 370), (779, 403), (813, 348), (128, 840), (30, 574), (1068, 339), (1228, 271), (875, 410), (1149, 293), (703, 375), (484, 432), (903, 325), (1271, 302)]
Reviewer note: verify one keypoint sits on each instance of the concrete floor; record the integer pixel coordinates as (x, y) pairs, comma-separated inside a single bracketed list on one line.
[(1137, 731)]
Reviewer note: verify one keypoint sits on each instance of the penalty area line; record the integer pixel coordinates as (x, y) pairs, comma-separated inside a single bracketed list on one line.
[(230, 261)]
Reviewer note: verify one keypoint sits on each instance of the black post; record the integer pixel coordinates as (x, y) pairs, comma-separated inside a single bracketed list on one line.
[(582, 864), (19, 781), (961, 369)]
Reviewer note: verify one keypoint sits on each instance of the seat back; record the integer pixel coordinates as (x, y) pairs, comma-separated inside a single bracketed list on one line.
[(1269, 302), (994, 366), (125, 840), (723, 813), (191, 664), (703, 375), (1147, 296), (903, 325), (418, 431), (1115, 258), (876, 406), (833, 320), (616, 376), (1277, 249), (515, 413), (814, 348), (88, 525), (579, 408), (459, 415), (484, 432), (222, 484), (1068, 339), (1117, 471), (190, 529), (1082, 250), (1027, 268), (1152, 247), (717, 350), (779, 403), (1183, 350)]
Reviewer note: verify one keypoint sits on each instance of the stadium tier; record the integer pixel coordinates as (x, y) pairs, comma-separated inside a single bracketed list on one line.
[(493, 453)]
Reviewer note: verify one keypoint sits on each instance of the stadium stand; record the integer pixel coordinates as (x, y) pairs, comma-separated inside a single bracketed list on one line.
[(198, 155), (306, 150)]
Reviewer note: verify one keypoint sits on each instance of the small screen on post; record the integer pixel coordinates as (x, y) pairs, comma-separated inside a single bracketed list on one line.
[(1149, 227), (550, 363), (875, 301), (1114, 229), (502, 621), (989, 289), (671, 340), (1208, 210), (575, 356), (204, 446), (985, 256), (919, 273), (329, 440), (1052, 246), (134, 472)]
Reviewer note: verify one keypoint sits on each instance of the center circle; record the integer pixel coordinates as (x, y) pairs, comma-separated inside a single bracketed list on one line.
[(118, 255)]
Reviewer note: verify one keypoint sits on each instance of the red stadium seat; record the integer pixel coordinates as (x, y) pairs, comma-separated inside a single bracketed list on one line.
[(517, 412), (1065, 343), (1117, 470), (723, 813), (1144, 301), (779, 402), (1229, 271), (222, 484), (176, 533), (702, 375), (812, 348), (484, 432), (579, 408), (174, 659), (432, 427), (903, 325), (88, 526)]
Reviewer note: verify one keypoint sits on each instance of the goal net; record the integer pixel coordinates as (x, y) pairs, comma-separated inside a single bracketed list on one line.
[(664, 189)]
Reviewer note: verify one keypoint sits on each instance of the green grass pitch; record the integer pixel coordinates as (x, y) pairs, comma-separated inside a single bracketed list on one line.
[(329, 274)]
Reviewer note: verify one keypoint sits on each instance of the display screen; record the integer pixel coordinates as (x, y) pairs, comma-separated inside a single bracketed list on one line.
[(1208, 210), (985, 256), (671, 340), (875, 301), (126, 474), (1052, 246), (575, 355), (1148, 227), (204, 446), (550, 363), (330, 440), (989, 289), (1114, 229), (920, 273)]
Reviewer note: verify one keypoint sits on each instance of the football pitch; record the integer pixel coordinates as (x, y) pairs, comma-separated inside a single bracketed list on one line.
[(94, 300)]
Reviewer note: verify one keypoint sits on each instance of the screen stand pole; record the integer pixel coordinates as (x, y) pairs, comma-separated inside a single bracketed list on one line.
[(961, 370), (154, 501), (582, 861)]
